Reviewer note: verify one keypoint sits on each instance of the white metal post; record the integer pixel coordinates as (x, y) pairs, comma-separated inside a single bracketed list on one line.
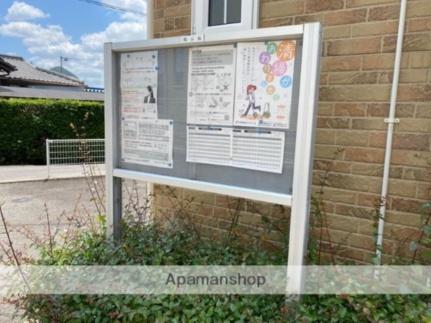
[(47, 156), (113, 185), (303, 165)]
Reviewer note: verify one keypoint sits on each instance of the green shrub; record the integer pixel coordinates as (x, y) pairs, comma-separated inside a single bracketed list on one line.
[(364, 308), (26, 123), (151, 245)]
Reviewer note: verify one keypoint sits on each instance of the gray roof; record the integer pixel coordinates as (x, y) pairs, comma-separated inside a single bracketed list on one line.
[(28, 92), (6, 67), (35, 75), (63, 71)]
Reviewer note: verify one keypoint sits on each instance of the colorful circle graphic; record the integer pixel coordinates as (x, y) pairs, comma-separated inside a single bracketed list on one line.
[(271, 47), (286, 81), (286, 50), (276, 97), (264, 57), (263, 83), (269, 77), (270, 89), (282, 55), (267, 68), (279, 67)]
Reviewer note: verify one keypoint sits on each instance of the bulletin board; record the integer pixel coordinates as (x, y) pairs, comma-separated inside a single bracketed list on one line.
[(254, 138), (172, 99)]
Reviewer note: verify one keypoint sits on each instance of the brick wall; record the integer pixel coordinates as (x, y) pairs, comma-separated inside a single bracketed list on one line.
[(171, 18), (356, 73)]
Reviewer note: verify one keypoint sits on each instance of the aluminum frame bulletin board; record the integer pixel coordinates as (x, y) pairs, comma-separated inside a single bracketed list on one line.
[(290, 188)]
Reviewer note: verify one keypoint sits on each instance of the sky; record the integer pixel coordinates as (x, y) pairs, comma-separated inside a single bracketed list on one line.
[(43, 30)]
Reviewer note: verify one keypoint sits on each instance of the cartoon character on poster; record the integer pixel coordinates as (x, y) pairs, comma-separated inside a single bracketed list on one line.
[(264, 91), (251, 101)]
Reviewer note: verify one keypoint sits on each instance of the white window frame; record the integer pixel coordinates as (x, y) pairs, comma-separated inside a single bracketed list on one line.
[(200, 18)]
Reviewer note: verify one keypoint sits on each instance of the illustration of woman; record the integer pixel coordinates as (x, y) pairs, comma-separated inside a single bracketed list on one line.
[(251, 100), (150, 97)]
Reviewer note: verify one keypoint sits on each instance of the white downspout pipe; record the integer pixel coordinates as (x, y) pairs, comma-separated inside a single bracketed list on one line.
[(391, 120)]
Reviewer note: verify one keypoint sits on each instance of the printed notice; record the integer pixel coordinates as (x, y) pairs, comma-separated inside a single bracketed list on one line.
[(258, 150), (242, 148), (264, 80), (209, 145), (211, 85), (147, 142), (139, 84), (133, 103)]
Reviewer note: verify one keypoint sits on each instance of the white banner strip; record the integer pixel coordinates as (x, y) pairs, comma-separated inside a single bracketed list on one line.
[(212, 280)]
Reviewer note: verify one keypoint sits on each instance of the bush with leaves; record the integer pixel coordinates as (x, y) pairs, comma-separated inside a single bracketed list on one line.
[(178, 242), (152, 245), (26, 123)]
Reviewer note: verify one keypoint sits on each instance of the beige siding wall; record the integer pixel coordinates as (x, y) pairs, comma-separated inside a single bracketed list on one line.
[(356, 73)]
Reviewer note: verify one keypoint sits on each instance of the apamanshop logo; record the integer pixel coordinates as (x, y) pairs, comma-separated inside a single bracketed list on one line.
[(215, 280)]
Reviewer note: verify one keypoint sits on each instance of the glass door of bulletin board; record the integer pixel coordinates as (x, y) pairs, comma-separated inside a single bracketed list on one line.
[(232, 114)]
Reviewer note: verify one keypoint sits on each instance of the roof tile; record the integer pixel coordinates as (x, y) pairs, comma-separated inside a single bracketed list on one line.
[(27, 72)]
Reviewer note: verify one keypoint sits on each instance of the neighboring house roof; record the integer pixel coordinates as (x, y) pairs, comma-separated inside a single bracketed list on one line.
[(6, 67), (28, 92), (63, 71), (29, 74)]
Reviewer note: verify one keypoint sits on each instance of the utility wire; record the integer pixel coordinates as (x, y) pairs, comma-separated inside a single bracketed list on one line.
[(112, 7)]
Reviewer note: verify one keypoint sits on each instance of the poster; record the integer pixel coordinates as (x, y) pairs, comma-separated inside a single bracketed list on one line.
[(261, 150), (133, 103), (264, 80), (209, 145), (258, 150), (138, 83), (147, 142), (211, 80)]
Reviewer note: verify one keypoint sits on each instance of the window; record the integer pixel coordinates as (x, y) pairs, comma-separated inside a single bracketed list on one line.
[(222, 12), (230, 15)]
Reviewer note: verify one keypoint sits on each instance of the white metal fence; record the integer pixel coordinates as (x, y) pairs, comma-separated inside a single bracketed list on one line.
[(74, 152)]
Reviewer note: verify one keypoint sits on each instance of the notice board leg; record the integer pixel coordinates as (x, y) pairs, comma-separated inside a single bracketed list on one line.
[(113, 184), (304, 157), (114, 207)]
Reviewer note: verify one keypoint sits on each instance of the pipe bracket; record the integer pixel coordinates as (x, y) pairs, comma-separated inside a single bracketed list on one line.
[(394, 120)]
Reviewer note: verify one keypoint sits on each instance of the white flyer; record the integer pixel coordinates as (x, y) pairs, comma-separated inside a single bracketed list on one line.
[(261, 150), (133, 103), (147, 142), (210, 97), (264, 80), (258, 150), (209, 145), (138, 83)]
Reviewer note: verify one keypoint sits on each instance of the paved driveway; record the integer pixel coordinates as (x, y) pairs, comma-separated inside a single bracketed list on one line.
[(25, 204)]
